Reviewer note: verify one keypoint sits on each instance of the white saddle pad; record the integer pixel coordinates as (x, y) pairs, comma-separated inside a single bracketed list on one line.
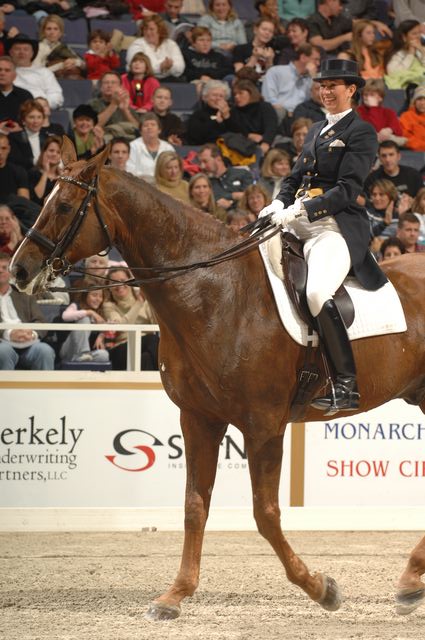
[(376, 312)]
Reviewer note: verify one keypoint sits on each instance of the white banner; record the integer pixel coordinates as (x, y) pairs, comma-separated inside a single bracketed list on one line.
[(102, 448), (374, 458)]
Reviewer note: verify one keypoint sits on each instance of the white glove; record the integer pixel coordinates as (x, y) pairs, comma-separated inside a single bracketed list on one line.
[(275, 208), (294, 211)]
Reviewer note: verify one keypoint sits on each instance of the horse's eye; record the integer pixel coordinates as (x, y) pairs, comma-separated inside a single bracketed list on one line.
[(64, 208)]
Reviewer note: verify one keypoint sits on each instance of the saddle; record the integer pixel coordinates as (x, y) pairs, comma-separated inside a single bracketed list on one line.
[(294, 269)]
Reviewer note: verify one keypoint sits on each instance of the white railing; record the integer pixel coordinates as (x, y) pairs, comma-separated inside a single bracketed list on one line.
[(134, 343)]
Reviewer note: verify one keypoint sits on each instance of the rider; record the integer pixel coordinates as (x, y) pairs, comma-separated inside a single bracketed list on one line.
[(318, 201)]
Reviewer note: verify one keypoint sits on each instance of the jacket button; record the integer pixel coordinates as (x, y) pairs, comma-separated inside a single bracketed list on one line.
[(305, 160)]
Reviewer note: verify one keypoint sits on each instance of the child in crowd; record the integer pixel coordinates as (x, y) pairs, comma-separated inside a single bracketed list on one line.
[(202, 62), (100, 57), (84, 346), (382, 119), (172, 127), (391, 248), (140, 83), (52, 53)]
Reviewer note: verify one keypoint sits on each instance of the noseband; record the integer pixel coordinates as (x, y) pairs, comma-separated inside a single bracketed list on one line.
[(56, 263)]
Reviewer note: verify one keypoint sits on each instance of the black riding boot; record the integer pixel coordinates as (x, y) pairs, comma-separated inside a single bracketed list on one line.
[(333, 334)]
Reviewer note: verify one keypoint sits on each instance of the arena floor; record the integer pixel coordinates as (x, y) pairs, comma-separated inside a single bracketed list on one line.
[(96, 586)]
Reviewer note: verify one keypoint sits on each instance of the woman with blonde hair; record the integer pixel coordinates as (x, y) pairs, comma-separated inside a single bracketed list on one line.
[(10, 230), (202, 197), (164, 54), (368, 56), (52, 53), (254, 199), (275, 167), (226, 29), (169, 176)]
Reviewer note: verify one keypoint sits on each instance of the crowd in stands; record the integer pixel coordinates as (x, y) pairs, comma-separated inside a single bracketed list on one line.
[(254, 100)]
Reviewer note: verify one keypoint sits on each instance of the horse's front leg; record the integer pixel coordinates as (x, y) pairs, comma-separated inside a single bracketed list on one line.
[(411, 589), (265, 461), (202, 440)]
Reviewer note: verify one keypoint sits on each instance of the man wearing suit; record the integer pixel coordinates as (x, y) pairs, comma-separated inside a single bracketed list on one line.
[(21, 346), (318, 201)]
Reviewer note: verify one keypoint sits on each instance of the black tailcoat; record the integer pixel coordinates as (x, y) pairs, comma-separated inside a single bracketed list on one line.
[(338, 161)]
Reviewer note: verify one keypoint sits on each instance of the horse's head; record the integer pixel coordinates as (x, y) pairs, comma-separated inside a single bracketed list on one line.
[(70, 226)]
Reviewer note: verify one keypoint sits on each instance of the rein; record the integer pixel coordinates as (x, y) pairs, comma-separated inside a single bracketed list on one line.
[(262, 230)]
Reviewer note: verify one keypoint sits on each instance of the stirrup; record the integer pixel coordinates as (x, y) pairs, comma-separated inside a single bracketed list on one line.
[(340, 398)]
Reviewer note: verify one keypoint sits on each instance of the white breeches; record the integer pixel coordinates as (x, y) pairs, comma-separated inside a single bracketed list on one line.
[(327, 257)]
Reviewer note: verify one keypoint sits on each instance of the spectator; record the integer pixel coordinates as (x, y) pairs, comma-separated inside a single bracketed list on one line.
[(311, 108), (407, 62), (226, 29), (169, 176), (202, 62), (202, 197), (299, 130), (39, 81), (269, 9), (408, 233), (140, 83), (85, 346), (128, 306), (13, 178), (10, 230), (253, 200), (21, 346), (52, 53), (251, 115), (43, 176), (228, 184), (298, 34), (11, 96), (51, 128), (87, 134), (413, 121), (27, 143), (237, 219), (382, 209), (209, 121), (141, 9), (368, 55), (286, 86), (382, 119), (409, 10), (172, 127), (295, 9), (173, 17), (144, 151), (5, 34), (120, 153), (418, 208), (276, 166), (406, 179), (258, 54), (165, 56), (391, 248), (329, 28), (100, 58), (113, 109), (368, 10)]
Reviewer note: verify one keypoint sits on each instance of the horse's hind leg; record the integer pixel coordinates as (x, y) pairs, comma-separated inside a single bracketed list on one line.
[(411, 589), (202, 440), (265, 462)]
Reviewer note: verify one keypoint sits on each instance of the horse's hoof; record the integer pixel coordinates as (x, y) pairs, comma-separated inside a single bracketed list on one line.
[(332, 598), (158, 611), (407, 600)]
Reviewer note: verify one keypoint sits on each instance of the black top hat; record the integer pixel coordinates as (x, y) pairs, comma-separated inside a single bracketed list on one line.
[(21, 38), (336, 69), (85, 110)]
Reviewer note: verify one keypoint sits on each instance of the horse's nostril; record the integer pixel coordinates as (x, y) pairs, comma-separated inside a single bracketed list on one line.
[(20, 273)]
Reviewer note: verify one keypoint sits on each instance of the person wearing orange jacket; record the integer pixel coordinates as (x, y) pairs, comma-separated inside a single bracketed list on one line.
[(413, 121)]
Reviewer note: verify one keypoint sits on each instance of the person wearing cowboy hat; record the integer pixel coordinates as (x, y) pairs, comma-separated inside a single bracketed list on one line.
[(318, 202), (39, 81)]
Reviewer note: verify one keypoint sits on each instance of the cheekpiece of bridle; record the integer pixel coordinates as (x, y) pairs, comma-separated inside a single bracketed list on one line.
[(57, 263)]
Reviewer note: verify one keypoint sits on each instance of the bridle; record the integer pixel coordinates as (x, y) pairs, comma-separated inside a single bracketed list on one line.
[(56, 264)]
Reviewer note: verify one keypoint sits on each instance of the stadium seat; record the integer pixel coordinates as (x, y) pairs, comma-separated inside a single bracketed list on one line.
[(245, 10), (128, 27), (61, 117), (185, 97), (76, 31), (395, 99), (76, 92), (26, 24), (415, 159)]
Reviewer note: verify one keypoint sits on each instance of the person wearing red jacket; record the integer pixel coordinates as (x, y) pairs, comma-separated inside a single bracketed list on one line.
[(413, 121), (100, 57), (140, 83), (139, 9), (383, 120)]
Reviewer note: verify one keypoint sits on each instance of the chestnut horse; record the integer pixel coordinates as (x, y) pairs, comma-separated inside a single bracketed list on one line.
[(224, 356)]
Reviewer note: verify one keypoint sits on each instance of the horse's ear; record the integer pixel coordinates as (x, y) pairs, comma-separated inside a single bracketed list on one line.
[(94, 165), (68, 152)]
